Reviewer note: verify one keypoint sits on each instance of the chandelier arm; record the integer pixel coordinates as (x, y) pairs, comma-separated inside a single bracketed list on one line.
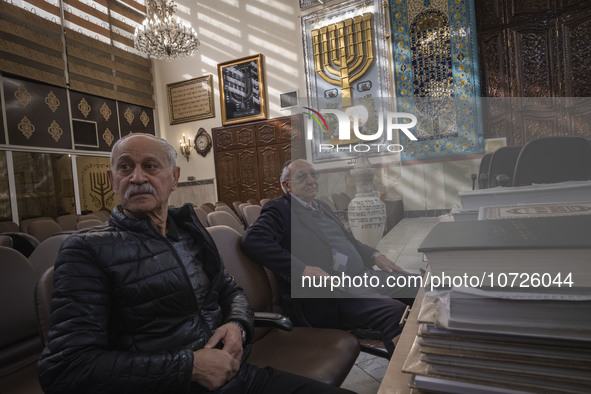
[(162, 36)]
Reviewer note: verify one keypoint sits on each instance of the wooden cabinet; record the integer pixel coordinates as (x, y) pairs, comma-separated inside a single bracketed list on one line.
[(248, 157), (534, 57)]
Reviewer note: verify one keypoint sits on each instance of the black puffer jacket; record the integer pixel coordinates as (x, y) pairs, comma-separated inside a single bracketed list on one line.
[(124, 316)]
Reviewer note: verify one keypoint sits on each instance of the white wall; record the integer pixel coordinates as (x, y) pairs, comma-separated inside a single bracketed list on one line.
[(231, 29), (228, 30)]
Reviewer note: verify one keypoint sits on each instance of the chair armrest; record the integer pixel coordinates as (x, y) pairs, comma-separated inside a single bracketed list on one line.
[(483, 181), (503, 180), (269, 319)]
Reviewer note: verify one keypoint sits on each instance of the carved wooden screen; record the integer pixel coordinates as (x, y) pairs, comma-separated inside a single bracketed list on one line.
[(535, 70)]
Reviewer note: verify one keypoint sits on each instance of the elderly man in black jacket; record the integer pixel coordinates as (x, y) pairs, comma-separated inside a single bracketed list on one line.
[(144, 303), (302, 241)]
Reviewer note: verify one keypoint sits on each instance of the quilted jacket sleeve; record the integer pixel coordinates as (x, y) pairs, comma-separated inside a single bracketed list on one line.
[(77, 358), (235, 305)]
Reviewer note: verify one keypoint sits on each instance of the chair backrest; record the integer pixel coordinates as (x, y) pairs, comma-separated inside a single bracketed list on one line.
[(19, 336), (226, 208), (249, 275), (43, 229), (553, 159), (88, 223), (345, 197), (67, 222), (23, 242), (236, 207), (502, 164), (483, 171), (9, 226), (241, 209), (45, 254), (264, 201), (222, 218), (253, 201), (5, 241), (201, 215), (329, 202), (24, 224), (43, 292), (102, 215), (207, 207), (338, 201), (251, 213), (90, 216)]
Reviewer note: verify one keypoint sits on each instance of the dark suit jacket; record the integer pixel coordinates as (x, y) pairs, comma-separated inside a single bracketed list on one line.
[(285, 240)]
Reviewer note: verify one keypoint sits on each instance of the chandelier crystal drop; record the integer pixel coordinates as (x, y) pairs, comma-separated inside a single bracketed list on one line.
[(164, 36)]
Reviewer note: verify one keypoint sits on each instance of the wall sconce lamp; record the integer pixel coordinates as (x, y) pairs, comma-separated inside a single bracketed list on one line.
[(185, 147)]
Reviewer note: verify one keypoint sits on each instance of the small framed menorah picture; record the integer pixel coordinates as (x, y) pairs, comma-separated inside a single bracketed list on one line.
[(242, 90)]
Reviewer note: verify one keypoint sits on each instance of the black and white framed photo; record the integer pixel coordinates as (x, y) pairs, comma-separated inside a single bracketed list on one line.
[(242, 90)]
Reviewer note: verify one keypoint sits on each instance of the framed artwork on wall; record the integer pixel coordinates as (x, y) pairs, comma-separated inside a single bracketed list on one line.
[(288, 100), (242, 90), (190, 100), (345, 73), (436, 74)]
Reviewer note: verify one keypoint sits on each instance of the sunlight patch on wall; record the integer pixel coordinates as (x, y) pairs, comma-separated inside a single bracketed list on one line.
[(278, 5), (213, 40), (271, 17)]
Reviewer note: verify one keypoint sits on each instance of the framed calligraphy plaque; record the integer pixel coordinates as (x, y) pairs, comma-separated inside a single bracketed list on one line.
[(190, 100)]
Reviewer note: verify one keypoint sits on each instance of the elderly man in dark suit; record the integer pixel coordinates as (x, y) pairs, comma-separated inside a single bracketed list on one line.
[(298, 237)]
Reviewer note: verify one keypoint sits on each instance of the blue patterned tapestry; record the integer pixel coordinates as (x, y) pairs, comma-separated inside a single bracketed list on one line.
[(436, 76)]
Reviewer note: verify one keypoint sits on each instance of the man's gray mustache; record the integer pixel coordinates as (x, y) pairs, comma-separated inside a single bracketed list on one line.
[(137, 189)]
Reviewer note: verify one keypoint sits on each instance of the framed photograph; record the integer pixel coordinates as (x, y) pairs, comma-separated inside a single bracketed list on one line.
[(190, 100), (288, 100), (242, 90)]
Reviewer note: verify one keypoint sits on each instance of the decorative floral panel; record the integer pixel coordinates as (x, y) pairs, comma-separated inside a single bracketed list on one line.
[(435, 58), (135, 119), (37, 114), (101, 112)]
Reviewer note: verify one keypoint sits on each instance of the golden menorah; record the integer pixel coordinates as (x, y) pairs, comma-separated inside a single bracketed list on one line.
[(343, 52), (100, 185)]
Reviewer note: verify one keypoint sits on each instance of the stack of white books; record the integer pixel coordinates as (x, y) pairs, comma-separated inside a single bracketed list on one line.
[(484, 341), (472, 200), (515, 314)]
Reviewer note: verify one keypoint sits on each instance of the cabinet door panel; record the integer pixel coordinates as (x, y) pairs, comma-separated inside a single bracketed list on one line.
[(235, 137), (228, 184), (249, 157)]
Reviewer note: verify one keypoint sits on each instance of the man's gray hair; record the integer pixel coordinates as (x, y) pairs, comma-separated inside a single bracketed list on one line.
[(170, 151), (284, 174)]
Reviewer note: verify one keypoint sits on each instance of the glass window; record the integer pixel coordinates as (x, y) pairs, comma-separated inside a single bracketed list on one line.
[(96, 192), (5, 209), (44, 184)]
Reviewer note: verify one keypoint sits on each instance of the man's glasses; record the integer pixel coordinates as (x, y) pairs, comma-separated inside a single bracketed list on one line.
[(302, 176)]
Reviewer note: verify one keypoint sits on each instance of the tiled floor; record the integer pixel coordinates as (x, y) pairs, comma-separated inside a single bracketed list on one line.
[(400, 245)]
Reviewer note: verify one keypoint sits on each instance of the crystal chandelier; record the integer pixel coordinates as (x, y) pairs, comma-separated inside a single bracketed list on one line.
[(162, 36)]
